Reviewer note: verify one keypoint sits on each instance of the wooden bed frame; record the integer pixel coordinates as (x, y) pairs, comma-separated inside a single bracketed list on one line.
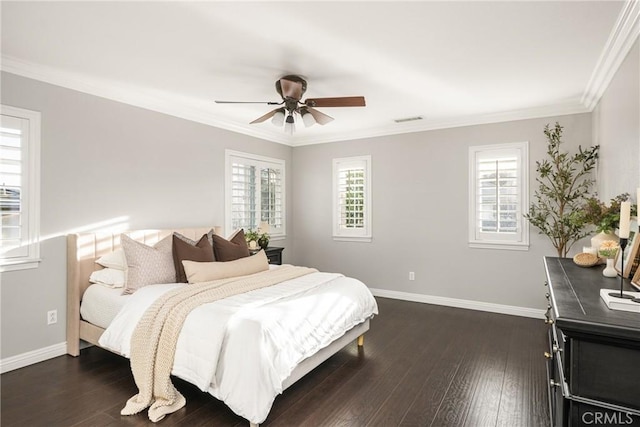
[(85, 248)]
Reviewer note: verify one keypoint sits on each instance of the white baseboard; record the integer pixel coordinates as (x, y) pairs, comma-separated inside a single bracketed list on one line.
[(460, 303), (31, 357)]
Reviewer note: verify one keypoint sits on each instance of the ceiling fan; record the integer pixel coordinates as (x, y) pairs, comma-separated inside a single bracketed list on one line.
[(291, 88)]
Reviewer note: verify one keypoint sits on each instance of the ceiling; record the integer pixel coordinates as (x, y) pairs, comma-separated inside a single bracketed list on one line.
[(452, 63)]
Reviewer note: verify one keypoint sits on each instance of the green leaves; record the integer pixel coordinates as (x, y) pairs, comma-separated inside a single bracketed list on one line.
[(605, 218), (563, 186)]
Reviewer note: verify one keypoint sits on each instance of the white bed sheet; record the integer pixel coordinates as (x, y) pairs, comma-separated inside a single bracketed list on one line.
[(241, 349), (100, 304)]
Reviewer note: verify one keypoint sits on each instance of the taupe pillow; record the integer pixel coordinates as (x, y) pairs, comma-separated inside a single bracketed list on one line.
[(209, 235), (183, 250), (206, 271), (147, 265), (232, 249)]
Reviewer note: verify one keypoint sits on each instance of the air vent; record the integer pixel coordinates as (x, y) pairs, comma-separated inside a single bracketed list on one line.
[(408, 119)]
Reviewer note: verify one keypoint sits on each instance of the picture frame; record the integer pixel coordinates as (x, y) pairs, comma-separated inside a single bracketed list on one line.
[(635, 282), (631, 253)]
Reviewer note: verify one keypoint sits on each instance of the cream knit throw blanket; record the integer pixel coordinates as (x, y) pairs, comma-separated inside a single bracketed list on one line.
[(154, 339)]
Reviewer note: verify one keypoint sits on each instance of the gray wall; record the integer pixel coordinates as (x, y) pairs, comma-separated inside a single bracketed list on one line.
[(103, 160), (616, 122), (420, 214)]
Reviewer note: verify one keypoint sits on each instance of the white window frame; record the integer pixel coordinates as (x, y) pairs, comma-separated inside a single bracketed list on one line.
[(28, 254), (352, 234), (518, 240), (261, 162)]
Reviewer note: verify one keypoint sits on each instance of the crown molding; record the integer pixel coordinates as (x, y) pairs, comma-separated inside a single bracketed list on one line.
[(181, 107), (621, 39), (423, 126), (162, 102)]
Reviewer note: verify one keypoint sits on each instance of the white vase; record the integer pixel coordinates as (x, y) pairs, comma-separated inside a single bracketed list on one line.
[(598, 239), (610, 269)]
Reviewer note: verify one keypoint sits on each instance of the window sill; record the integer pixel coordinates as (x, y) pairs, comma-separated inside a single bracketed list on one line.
[(364, 239), (19, 265), (508, 246)]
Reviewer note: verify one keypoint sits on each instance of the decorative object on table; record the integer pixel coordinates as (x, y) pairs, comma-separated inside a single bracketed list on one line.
[(608, 250), (632, 261), (563, 186), (624, 231), (631, 253), (635, 279), (586, 259), (604, 218), (601, 237), (635, 282), (252, 236), (263, 241), (627, 304), (263, 231)]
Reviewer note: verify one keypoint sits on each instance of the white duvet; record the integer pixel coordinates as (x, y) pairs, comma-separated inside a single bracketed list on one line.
[(241, 349)]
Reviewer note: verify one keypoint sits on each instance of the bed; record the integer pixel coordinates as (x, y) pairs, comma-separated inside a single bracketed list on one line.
[(85, 248)]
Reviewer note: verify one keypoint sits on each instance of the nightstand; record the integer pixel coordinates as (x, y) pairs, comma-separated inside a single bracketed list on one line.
[(274, 254)]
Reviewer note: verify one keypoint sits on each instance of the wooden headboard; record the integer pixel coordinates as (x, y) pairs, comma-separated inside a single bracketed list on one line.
[(83, 250)]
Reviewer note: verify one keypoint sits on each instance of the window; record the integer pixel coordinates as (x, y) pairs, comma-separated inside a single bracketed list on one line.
[(352, 198), (19, 188), (498, 196), (255, 193)]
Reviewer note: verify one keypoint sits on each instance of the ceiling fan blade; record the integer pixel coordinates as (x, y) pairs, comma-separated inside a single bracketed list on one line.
[(265, 117), (344, 101), (248, 102), (291, 89), (321, 118)]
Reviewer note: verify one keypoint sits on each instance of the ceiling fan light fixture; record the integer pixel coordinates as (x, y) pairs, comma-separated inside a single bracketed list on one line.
[(307, 118), (289, 125), (278, 118), (291, 88)]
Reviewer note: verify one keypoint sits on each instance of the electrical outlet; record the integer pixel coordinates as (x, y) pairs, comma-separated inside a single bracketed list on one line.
[(52, 317), (412, 275)]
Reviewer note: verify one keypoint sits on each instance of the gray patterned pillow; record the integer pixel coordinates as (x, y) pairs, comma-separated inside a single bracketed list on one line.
[(147, 265)]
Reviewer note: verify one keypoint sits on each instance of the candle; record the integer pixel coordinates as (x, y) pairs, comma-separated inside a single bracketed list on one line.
[(625, 219)]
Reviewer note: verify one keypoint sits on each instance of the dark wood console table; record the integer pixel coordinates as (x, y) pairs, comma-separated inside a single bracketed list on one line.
[(593, 360)]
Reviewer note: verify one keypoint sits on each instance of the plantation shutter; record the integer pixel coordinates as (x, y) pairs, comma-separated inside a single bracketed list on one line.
[(498, 188), (13, 206), (243, 202), (271, 198), (256, 187), (351, 187), (352, 198), (497, 192)]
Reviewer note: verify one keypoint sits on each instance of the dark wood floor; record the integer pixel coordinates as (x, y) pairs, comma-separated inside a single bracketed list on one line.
[(422, 365)]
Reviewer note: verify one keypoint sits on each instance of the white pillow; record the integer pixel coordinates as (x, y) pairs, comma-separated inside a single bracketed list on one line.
[(206, 271), (114, 259), (109, 277)]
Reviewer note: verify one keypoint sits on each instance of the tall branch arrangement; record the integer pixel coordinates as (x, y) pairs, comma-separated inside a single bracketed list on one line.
[(563, 186)]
